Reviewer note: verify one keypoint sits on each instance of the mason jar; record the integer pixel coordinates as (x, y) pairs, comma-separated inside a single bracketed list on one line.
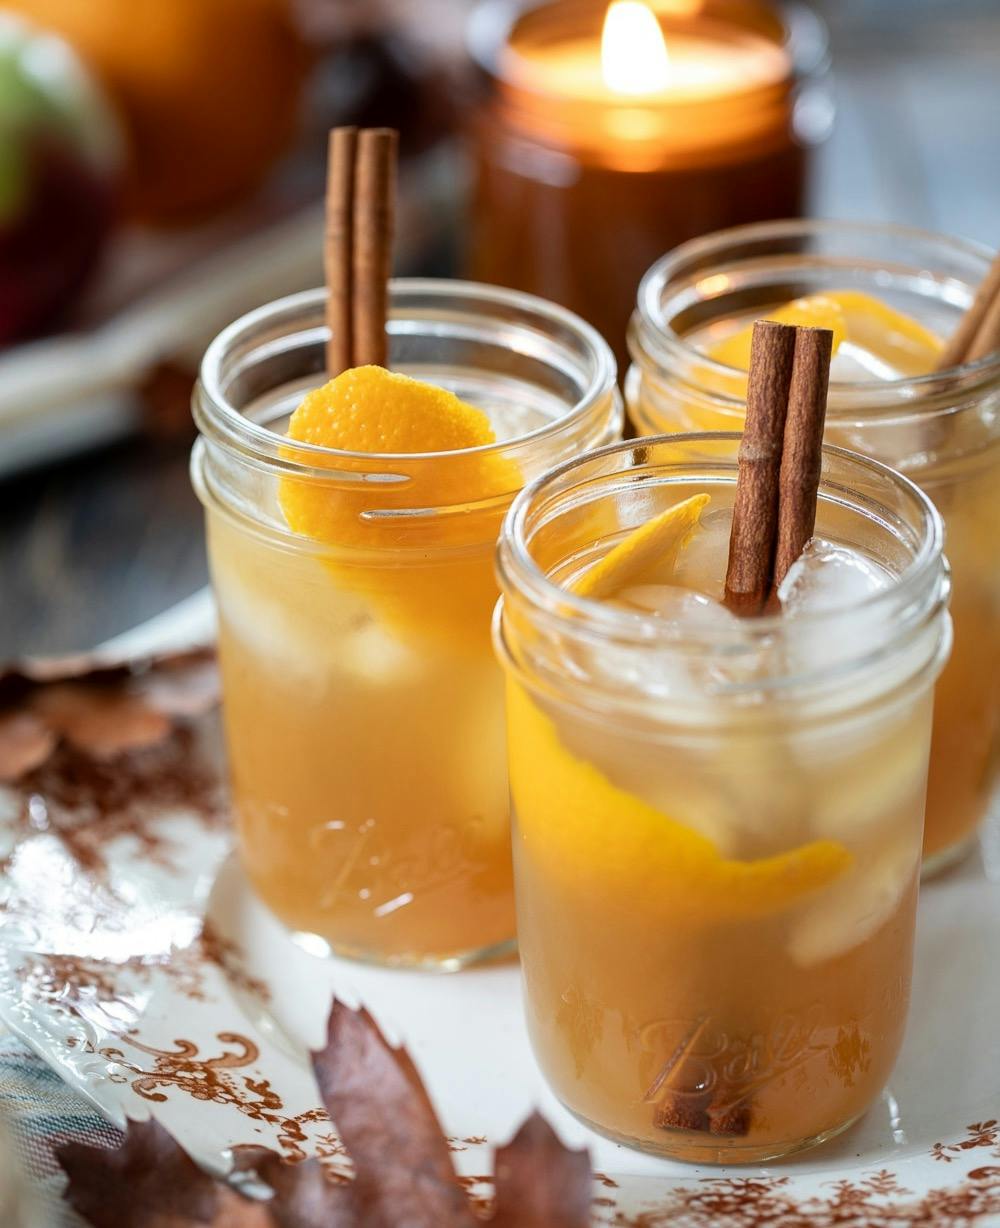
[(717, 821), (940, 429), (362, 706)]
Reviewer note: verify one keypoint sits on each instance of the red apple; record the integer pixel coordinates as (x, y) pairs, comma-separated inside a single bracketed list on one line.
[(59, 157)]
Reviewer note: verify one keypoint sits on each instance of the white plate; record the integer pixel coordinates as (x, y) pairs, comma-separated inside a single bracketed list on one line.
[(106, 972)]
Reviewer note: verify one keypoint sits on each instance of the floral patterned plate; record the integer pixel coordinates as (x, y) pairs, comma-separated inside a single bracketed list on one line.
[(135, 960)]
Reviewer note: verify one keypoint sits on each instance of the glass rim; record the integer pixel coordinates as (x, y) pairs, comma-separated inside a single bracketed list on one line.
[(213, 409), (643, 629), (650, 324)]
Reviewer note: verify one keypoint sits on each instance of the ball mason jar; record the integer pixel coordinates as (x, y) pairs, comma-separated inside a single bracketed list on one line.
[(362, 706), (942, 430), (717, 825)]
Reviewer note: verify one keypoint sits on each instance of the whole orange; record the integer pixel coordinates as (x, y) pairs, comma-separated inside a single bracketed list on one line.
[(208, 90)]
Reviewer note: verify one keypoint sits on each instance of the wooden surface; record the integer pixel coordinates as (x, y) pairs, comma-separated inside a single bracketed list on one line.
[(91, 547)]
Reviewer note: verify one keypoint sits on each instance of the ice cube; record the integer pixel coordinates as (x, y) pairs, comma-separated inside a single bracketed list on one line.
[(680, 606), (374, 655), (828, 577), (701, 565), (269, 626), (853, 909), (654, 673), (665, 671), (890, 778), (854, 364)]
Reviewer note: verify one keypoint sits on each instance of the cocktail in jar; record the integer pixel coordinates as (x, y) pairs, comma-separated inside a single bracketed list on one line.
[(893, 297), (717, 820), (353, 571)]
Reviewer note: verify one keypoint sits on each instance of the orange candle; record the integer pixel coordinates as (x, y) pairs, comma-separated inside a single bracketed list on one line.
[(610, 134)]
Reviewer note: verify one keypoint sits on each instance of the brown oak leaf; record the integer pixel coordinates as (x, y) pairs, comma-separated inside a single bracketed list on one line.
[(402, 1163)]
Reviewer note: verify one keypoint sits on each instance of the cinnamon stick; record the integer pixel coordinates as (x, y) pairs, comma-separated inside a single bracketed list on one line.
[(755, 512), (357, 251), (978, 332), (375, 191), (338, 247), (801, 453), (684, 1099)]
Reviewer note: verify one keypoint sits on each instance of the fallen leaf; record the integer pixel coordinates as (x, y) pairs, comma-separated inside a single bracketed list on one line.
[(304, 1195), (403, 1171), (377, 1101), (540, 1183), (100, 720), (25, 742), (151, 1182), (104, 707)]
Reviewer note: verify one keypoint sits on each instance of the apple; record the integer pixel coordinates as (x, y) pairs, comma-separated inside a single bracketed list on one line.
[(59, 166)]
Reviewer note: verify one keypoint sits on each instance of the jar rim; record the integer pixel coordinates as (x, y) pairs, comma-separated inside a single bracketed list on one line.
[(926, 571), (217, 416), (651, 330)]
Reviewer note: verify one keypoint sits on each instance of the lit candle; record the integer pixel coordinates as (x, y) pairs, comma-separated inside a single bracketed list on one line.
[(609, 137)]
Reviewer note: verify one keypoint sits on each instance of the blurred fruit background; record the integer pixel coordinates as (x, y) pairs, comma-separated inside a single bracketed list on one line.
[(161, 171)]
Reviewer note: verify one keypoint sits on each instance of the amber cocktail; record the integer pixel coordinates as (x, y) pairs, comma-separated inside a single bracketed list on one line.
[(363, 708), (718, 820), (892, 295)]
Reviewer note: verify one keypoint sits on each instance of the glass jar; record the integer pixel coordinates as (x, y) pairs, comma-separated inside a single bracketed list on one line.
[(362, 705), (557, 157), (717, 824), (942, 430)]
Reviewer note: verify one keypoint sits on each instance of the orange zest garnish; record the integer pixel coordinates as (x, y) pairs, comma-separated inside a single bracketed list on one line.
[(374, 411)]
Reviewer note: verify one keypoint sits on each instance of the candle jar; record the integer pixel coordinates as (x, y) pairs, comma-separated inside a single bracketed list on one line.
[(362, 706), (942, 430), (579, 188), (717, 821)]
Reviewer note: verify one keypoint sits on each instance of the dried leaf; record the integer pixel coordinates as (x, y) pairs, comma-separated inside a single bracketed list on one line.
[(151, 1182), (103, 707), (404, 1176), (103, 721), (385, 1119), (540, 1183), (25, 742), (304, 1195)]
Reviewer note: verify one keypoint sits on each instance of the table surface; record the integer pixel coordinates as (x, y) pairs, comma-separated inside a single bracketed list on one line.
[(93, 546)]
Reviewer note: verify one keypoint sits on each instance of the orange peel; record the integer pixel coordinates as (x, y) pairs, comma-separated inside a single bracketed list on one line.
[(599, 838), (402, 566)]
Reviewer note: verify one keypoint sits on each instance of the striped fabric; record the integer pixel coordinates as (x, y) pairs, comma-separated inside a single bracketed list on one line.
[(38, 1112)]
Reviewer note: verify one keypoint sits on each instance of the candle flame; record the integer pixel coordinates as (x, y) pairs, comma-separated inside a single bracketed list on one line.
[(634, 56)]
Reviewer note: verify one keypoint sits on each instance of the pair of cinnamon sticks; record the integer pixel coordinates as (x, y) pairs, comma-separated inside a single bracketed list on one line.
[(978, 332), (357, 253), (774, 513)]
